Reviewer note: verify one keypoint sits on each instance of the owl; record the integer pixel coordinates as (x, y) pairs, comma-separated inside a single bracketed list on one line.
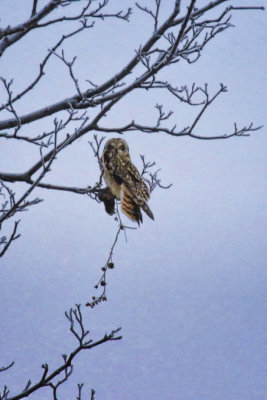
[(124, 181)]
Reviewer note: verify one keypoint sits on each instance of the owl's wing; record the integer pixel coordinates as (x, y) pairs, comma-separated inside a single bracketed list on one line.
[(134, 184), (135, 192)]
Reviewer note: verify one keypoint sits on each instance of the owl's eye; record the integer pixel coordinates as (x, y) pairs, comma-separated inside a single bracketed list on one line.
[(122, 147)]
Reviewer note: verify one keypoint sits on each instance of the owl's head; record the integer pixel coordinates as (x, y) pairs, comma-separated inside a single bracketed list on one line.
[(117, 146)]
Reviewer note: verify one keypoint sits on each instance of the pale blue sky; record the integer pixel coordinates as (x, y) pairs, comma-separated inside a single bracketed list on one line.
[(189, 289)]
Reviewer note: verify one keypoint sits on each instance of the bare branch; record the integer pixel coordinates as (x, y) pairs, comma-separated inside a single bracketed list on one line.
[(77, 328), (2, 369), (7, 244), (153, 14), (9, 106), (247, 8), (109, 264), (11, 35), (4, 394), (80, 386), (16, 206), (74, 101), (34, 8), (124, 15), (44, 62), (171, 56), (188, 130), (152, 178), (70, 64), (92, 394), (181, 32)]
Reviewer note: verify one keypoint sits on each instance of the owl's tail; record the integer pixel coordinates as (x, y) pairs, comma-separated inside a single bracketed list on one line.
[(147, 210), (132, 209)]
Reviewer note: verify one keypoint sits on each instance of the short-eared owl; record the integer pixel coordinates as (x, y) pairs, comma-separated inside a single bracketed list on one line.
[(124, 180)]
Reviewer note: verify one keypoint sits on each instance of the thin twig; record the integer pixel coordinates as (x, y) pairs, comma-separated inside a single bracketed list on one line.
[(13, 237)]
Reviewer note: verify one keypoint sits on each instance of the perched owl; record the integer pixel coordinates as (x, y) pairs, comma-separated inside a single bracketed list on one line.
[(124, 180)]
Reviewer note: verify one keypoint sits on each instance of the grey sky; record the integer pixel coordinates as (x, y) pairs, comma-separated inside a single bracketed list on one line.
[(189, 289)]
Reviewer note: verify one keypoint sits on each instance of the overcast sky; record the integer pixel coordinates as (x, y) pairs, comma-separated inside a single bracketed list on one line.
[(188, 289)]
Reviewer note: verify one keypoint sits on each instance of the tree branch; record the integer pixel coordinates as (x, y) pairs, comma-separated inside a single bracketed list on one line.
[(43, 64), (74, 100), (15, 207), (2, 369), (74, 317), (11, 35), (7, 244)]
